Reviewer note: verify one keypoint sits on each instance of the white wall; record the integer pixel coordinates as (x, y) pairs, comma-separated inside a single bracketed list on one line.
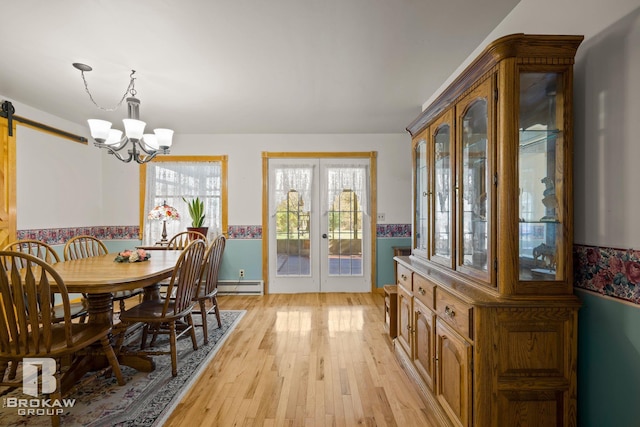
[(121, 190), (58, 180), (607, 149)]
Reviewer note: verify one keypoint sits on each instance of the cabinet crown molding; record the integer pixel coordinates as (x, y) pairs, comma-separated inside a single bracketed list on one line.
[(511, 46)]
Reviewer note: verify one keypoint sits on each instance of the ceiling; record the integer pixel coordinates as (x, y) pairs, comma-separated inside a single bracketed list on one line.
[(241, 66)]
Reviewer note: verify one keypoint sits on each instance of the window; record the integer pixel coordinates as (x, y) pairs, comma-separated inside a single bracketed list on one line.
[(171, 178)]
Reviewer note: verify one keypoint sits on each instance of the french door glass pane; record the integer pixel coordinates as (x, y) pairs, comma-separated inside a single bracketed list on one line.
[(346, 187), (292, 218)]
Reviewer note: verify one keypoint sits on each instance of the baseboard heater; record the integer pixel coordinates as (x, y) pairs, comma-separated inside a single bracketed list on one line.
[(241, 287)]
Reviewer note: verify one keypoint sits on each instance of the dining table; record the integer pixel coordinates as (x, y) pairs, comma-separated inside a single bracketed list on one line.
[(98, 278)]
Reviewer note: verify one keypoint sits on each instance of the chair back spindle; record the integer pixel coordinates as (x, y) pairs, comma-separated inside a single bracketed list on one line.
[(182, 239), (211, 266), (34, 247), (185, 278), (84, 247)]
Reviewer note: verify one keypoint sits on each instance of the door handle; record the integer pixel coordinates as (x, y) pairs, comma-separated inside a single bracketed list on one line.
[(324, 236)]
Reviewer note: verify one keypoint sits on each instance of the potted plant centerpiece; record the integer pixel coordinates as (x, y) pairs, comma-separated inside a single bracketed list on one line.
[(196, 212)]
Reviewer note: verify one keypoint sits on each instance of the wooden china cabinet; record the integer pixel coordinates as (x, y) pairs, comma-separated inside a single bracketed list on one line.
[(487, 318)]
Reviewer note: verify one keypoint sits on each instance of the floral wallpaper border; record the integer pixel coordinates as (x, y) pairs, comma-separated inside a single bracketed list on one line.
[(608, 271), (393, 230), (59, 236), (244, 232)]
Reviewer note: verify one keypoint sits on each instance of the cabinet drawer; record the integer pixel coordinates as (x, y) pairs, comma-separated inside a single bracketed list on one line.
[(455, 312), (404, 277), (424, 290)]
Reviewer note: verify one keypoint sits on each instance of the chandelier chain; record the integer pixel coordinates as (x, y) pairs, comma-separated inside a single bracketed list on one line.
[(130, 89)]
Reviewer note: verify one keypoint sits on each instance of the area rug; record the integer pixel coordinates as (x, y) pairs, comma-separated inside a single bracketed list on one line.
[(146, 399)]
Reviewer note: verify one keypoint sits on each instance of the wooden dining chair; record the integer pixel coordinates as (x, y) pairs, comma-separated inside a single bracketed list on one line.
[(79, 307), (160, 316), (181, 240), (88, 246), (27, 329), (208, 287), (49, 255)]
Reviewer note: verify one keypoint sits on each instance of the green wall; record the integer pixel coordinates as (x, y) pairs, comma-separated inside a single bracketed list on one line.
[(385, 273), (608, 362), (243, 254)]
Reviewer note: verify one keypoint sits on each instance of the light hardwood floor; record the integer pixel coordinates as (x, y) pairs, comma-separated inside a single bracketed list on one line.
[(304, 360)]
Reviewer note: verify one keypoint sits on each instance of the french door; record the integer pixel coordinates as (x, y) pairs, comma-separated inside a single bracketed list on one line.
[(319, 225)]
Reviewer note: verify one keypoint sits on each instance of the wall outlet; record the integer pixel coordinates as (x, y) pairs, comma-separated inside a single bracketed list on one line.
[(241, 274), (381, 217)]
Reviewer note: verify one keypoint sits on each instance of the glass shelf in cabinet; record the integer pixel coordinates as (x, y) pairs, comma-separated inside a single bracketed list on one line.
[(533, 137), (478, 143)]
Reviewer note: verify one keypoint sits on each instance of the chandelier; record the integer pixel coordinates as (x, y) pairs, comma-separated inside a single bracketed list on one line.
[(142, 147)]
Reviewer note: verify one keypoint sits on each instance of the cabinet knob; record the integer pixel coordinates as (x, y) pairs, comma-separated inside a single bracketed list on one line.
[(425, 194), (404, 277), (421, 291), (449, 311)]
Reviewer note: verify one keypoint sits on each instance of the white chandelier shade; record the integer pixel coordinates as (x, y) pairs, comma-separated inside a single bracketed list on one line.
[(101, 131)]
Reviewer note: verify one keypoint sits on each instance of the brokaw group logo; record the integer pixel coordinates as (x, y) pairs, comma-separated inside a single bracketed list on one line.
[(38, 372)]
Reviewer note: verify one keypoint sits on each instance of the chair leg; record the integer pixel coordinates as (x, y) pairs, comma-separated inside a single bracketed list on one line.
[(174, 351), (113, 361), (3, 369), (214, 300), (156, 330), (120, 340), (55, 419), (13, 369), (143, 340), (203, 313), (193, 331)]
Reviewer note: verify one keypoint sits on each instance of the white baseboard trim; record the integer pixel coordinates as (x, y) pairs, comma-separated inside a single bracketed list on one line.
[(240, 287)]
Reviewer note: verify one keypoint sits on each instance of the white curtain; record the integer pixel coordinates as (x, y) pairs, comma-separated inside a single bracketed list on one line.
[(343, 177), (171, 181), (291, 177)]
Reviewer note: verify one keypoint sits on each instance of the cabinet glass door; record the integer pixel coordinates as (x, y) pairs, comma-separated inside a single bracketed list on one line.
[(443, 174), (474, 185), (541, 179), (421, 232)]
